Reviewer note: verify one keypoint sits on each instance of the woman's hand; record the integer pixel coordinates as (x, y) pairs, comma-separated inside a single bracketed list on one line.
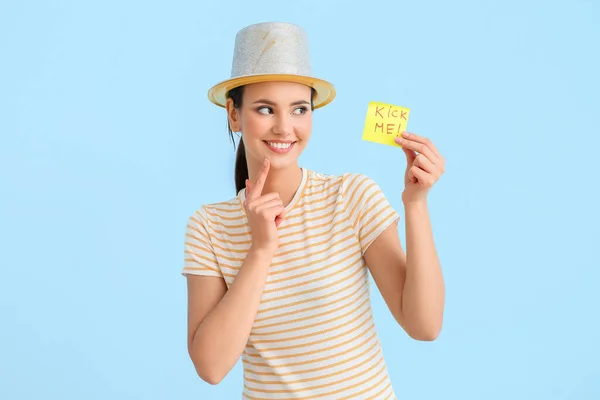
[(425, 165), (265, 212)]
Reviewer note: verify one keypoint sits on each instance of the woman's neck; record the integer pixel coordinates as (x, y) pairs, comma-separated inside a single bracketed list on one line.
[(283, 181)]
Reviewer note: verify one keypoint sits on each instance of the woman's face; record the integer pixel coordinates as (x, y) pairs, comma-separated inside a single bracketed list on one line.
[(275, 120)]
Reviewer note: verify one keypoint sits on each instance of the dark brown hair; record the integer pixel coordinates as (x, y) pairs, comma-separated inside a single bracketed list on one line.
[(241, 164)]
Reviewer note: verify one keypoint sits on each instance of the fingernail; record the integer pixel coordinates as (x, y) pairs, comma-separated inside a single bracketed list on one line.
[(405, 134), (398, 140)]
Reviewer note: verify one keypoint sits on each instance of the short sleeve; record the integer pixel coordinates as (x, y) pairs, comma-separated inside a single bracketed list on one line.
[(199, 255), (368, 210)]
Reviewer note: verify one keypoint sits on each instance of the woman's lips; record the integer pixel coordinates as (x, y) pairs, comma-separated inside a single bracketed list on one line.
[(280, 147)]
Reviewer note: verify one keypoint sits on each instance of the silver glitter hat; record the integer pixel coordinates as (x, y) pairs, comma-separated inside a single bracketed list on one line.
[(272, 51)]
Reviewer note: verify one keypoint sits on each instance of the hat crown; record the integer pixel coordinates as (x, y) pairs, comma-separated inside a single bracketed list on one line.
[(268, 52), (271, 48)]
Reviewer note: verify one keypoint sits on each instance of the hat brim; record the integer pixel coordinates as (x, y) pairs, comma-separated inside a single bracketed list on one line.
[(325, 91)]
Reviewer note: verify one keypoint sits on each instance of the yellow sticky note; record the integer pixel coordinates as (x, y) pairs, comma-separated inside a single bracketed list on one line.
[(384, 122)]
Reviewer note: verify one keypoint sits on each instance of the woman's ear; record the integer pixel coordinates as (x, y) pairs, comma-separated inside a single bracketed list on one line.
[(234, 116)]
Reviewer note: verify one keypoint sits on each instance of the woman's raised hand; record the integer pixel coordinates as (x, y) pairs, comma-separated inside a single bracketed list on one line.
[(264, 211)]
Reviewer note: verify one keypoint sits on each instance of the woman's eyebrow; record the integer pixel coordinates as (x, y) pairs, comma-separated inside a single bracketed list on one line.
[(269, 102)]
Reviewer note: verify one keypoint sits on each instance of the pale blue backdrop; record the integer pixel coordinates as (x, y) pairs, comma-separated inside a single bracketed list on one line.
[(108, 144)]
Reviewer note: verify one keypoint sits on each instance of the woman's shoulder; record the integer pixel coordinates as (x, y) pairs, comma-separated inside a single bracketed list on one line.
[(231, 204), (342, 181), (214, 211)]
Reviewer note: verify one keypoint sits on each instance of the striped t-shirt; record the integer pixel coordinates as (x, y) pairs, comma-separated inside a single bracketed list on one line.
[(314, 335)]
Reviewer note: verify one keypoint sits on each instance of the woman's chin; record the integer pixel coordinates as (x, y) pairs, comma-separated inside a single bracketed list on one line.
[(280, 163)]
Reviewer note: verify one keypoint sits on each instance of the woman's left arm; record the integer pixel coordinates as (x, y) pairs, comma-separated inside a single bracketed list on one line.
[(412, 283)]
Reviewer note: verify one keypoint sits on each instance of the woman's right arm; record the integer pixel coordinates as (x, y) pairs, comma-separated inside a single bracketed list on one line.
[(220, 320)]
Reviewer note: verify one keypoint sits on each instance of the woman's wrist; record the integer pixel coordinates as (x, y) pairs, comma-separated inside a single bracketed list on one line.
[(261, 255)]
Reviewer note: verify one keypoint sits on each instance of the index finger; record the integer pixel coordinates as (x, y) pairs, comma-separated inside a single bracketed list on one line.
[(257, 186)]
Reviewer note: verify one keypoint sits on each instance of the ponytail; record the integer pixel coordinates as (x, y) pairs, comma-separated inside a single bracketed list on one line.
[(241, 167)]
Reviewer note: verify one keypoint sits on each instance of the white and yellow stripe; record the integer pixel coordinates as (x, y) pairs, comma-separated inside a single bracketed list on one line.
[(314, 336)]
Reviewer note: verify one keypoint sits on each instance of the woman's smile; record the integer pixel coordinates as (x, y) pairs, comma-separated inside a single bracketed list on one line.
[(279, 146)]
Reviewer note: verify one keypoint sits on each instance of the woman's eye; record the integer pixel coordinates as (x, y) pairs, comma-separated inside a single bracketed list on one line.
[(300, 110), (264, 110)]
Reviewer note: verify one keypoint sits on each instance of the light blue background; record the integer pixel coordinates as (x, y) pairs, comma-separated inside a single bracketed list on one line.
[(108, 144)]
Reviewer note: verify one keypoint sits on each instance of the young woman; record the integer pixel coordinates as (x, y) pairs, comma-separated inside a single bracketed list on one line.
[(278, 275)]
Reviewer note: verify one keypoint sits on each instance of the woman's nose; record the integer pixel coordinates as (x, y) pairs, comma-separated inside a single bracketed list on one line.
[(283, 125)]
